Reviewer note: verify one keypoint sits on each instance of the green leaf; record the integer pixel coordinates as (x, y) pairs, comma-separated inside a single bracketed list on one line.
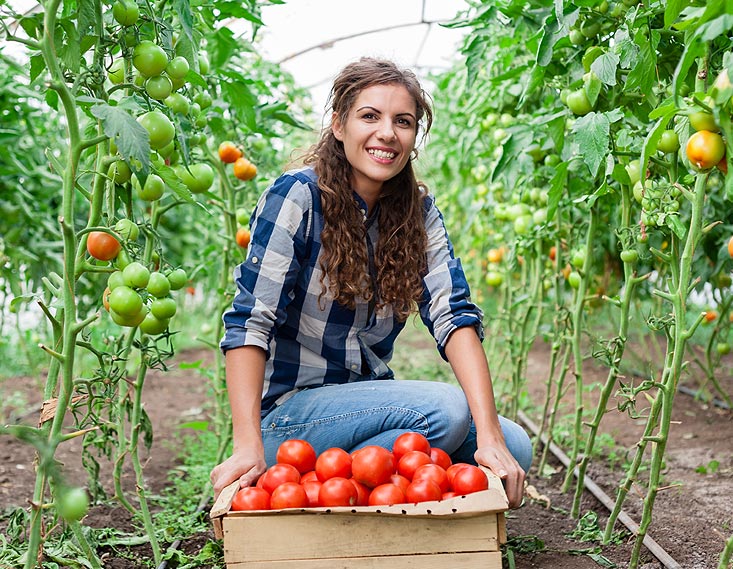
[(642, 76), (131, 138), (185, 17), (38, 64), (592, 85), (592, 135), (557, 187), (242, 101), (549, 38), (672, 11), (605, 67), (174, 183), (517, 142), (652, 139)]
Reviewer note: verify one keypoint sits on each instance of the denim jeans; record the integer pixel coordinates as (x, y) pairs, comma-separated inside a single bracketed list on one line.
[(354, 415)]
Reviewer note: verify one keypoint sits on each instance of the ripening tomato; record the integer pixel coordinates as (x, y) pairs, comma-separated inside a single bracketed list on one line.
[(279, 474), (440, 457), (337, 491), (298, 453), (102, 246), (243, 237), (730, 247), (410, 441), (386, 495), (333, 462), (362, 493), (372, 465), (705, 149), (289, 495), (469, 479), (229, 152), (251, 498), (411, 461), (244, 169), (312, 488), (435, 473), (423, 490)]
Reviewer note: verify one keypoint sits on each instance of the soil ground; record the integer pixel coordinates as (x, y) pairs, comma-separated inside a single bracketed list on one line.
[(692, 517)]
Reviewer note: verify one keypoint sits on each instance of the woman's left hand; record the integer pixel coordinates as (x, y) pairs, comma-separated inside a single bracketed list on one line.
[(499, 460)]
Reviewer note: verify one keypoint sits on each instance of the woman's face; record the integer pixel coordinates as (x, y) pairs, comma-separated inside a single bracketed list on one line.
[(378, 135)]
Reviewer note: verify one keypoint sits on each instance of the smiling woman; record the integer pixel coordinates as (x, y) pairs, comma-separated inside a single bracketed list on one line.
[(342, 251)]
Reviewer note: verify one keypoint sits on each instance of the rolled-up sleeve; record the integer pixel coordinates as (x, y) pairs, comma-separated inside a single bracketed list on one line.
[(446, 304), (265, 280)]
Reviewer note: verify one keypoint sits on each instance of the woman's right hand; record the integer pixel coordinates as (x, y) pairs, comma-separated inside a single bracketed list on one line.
[(245, 465)]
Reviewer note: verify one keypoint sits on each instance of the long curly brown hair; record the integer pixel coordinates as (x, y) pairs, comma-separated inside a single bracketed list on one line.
[(400, 251)]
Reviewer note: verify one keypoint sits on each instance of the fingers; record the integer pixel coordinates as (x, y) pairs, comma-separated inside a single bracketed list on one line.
[(505, 467)]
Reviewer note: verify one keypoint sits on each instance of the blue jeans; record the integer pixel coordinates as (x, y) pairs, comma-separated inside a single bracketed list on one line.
[(354, 415)]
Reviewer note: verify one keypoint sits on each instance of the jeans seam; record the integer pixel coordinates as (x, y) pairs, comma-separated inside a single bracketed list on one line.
[(334, 418)]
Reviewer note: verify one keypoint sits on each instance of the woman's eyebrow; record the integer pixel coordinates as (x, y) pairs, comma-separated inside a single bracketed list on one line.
[(376, 110)]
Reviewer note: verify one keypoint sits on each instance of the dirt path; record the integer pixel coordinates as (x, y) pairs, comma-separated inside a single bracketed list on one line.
[(692, 517)]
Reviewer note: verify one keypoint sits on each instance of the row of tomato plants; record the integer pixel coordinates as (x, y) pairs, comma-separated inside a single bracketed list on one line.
[(591, 181), (164, 114)]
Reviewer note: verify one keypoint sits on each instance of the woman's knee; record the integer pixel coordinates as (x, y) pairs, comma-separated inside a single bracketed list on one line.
[(518, 442)]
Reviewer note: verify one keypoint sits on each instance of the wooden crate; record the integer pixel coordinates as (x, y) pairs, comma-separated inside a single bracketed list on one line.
[(462, 533)]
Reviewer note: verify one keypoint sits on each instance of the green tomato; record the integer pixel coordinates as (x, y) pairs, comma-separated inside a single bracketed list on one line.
[(574, 279), (177, 67), (158, 285), (127, 229), (576, 37), (149, 58), (633, 169), (163, 308), (590, 28), (522, 224), (72, 504), (590, 55), (152, 190), (178, 279), (159, 127), (125, 301), (122, 259), (159, 87), (578, 102), (494, 278), (638, 192), (629, 256), (152, 325), (578, 259), (168, 150), (177, 103), (242, 216), (703, 120), (115, 279), (723, 348), (198, 178), (125, 12), (120, 172), (669, 142), (136, 275), (131, 321), (203, 99), (116, 71)]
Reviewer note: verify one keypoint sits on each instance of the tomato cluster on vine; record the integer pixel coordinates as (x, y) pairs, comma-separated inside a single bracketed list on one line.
[(412, 472)]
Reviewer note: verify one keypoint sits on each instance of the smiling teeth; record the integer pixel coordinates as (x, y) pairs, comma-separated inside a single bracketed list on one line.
[(381, 154)]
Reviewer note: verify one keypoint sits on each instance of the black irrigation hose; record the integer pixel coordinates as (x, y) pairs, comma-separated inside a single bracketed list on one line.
[(693, 393), (656, 550)]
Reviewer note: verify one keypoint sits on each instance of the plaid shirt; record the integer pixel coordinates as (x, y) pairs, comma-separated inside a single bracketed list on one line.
[(310, 342)]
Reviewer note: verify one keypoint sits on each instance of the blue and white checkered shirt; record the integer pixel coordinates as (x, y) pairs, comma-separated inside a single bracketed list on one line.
[(310, 342)]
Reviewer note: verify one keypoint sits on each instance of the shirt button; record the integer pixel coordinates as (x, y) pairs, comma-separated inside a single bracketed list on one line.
[(354, 366), (255, 260)]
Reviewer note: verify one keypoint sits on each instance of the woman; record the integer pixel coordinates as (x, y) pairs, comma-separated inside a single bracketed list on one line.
[(342, 252)]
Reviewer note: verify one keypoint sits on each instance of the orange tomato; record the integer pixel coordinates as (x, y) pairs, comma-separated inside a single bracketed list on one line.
[(105, 298), (243, 237), (553, 253), (229, 152), (244, 169), (723, 164), (495, 255), (705, 149), (102, 245), (710, 315), (730, 247)]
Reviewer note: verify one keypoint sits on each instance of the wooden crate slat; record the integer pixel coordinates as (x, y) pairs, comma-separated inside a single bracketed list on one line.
[(267, 538), (482, 560)]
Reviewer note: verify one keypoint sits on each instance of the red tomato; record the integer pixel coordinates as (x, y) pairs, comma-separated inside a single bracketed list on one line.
[(337, 491), (469, 479), (362, 493), (410, 441), (289, 495), (251, 498), (312, 488), (308, 477), (435, 473), (399, 480), (333, 462), (452, 469), (279, 474), (447, 495), (410, 462), (423, 490), (440, 457), (372, 465), (386, 495), (102, 246), (297, 452)]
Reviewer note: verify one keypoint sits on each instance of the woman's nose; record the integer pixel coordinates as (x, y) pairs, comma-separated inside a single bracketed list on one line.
[(386, 131)]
